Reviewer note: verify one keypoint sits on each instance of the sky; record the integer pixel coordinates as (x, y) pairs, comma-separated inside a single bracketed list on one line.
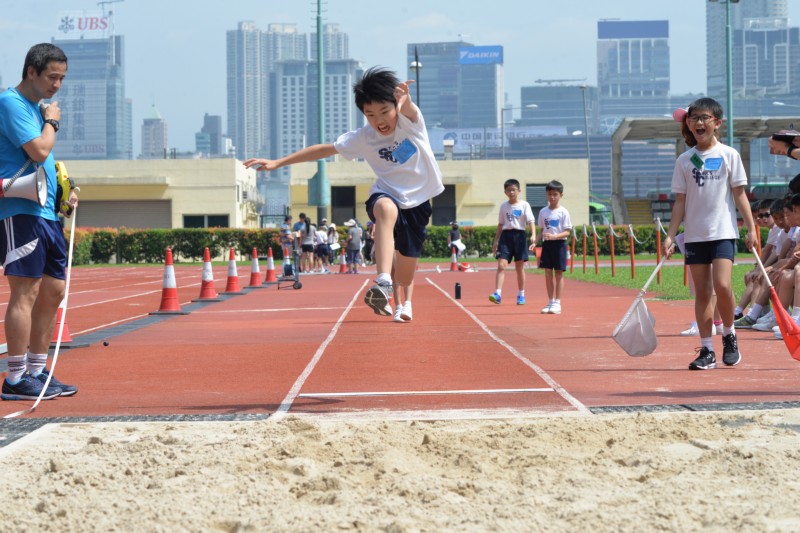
[(175, 49)]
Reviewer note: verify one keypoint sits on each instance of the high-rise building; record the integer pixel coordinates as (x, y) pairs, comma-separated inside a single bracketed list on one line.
[(335, 43), (297, 102), (95, 115), (766, 12), (633, 58), (247, 90), (460, 84), (155, 141), (210, 141)]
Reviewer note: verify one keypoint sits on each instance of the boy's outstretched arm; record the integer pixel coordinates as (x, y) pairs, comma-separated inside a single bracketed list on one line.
[(309, 153), (402, 94)]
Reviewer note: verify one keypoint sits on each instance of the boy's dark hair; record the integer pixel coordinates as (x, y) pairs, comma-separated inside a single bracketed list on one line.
[(511, 181), (795, 200), (287, 218), (706, 103), (764, 204), (776, 206), (376, 85), (794, 185), (40, 55), (554, 185)]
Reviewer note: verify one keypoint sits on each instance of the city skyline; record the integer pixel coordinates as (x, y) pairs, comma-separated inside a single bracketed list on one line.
[(181, 67)]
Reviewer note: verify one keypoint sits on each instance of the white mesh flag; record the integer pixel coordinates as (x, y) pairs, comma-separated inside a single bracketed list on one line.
[(636, 332)]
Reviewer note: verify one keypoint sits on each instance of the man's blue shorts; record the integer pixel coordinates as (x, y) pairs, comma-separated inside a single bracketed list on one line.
[(704, 253), (513, 245), (410, 230), (31, 246)]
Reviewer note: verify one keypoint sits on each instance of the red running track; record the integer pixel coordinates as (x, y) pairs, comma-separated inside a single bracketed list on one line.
[(320, 350)]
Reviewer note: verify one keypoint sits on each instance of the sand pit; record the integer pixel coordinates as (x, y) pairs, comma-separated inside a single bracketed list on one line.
[(639, 472)]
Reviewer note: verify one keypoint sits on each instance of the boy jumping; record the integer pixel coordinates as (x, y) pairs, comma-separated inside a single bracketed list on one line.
[(395, 145)]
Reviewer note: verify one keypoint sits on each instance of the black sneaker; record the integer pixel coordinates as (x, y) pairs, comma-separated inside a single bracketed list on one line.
[(706, 360), (730, 350), (379, 298), (66, 390), (28, 388), (737, 316)]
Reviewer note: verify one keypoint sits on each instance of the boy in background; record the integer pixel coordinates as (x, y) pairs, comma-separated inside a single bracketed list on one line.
[(510, 243), (556, 227)]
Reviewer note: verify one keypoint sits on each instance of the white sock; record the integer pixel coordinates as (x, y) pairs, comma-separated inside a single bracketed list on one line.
[(16, 368), (384, 279), (498, 292), (707, 342), (36, 363), (521, 293), (738, 310), (796, 313), (728, 330), (755, 311)]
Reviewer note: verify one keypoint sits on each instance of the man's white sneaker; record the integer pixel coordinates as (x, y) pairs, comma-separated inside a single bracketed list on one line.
[(555, 309), (406, 313), (398, 314), (776, 331)]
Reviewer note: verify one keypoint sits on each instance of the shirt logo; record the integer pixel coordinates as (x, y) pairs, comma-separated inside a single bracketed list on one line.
[(386, 153), (701, 176)]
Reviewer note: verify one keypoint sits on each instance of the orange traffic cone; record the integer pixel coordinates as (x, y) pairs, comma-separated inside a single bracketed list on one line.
[(270, 277), (208, 293), (342, 263), (255, 273), (169, 291), (65, 336), (232, 286), (463, 267), (453, 260)]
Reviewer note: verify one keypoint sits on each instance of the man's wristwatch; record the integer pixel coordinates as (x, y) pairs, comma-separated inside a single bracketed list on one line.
[(53, 122)]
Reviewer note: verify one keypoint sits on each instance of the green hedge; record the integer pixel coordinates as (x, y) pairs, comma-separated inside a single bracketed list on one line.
[(99, 245)]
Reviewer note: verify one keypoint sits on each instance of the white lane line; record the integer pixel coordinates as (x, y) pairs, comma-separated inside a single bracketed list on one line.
[(419, 393), (286, 404), (541, 373), (280, 310)]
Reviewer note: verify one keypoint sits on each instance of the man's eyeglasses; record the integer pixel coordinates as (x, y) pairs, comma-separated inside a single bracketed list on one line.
[(764, 215), (702, 118)]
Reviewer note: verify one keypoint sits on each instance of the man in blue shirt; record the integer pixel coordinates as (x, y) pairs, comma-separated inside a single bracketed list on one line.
[(32, 244)]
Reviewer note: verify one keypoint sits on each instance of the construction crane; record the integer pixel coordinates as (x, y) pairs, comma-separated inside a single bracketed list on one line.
[(553, 82)]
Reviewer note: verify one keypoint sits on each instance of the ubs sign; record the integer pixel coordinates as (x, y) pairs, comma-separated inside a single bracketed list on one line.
[(83, 25), (480, 55)]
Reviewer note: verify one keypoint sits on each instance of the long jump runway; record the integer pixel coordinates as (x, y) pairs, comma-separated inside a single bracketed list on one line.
[(319, 350)]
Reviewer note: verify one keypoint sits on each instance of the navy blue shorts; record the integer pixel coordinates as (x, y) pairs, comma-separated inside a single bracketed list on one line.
[(31, 246), (554, 255), (704, 253), (513, 245), (411, 228)]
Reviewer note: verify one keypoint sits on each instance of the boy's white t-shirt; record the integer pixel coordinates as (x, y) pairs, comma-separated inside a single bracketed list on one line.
[(412, 182), (515, 216), (554, 221), (774, 234), (710, 209)]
